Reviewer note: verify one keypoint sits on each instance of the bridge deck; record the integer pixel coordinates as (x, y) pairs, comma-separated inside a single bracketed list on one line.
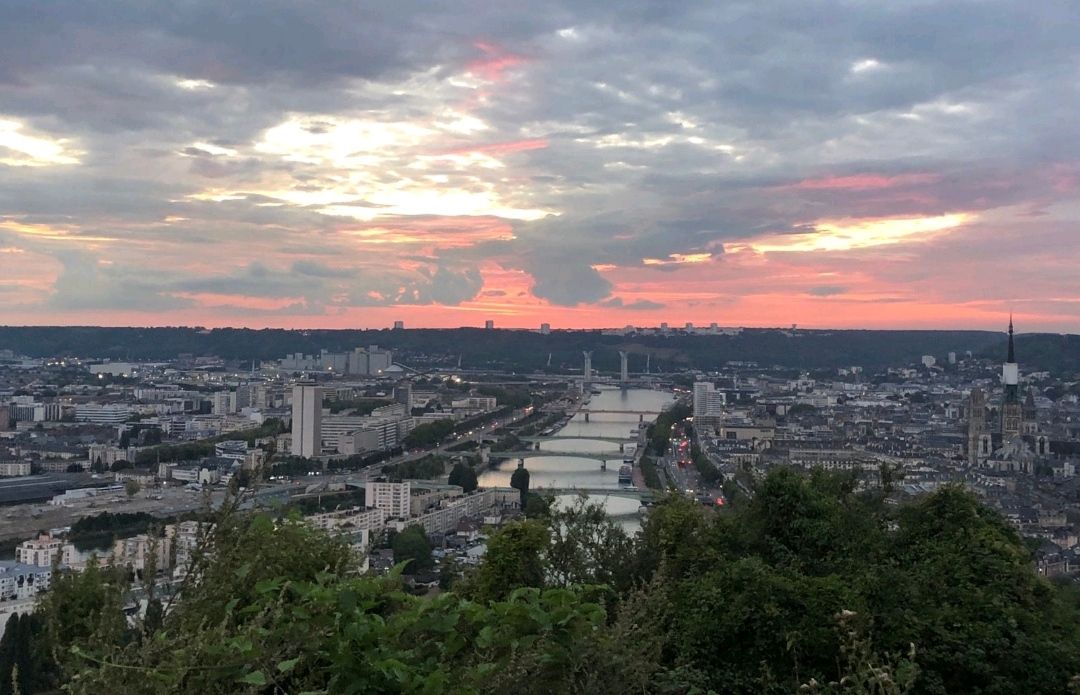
[(532, 453)]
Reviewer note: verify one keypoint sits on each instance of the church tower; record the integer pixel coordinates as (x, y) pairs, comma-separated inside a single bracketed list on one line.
[(1011, 408), (1031, 414)]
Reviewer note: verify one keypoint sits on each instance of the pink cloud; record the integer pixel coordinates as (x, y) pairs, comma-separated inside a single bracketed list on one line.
[(494, 62), (499, 148)]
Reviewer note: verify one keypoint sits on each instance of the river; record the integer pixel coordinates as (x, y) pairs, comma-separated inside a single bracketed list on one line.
[(575, 471)]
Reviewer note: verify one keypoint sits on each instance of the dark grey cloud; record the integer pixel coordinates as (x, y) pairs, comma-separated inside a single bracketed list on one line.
[(669, 128), (639, 305), (827, 290)]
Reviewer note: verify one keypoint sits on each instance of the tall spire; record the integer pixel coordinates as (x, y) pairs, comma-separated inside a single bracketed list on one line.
[(1012, 351)]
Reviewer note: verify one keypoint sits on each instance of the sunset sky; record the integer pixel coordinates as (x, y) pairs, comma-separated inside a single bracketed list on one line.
[(902, 164)]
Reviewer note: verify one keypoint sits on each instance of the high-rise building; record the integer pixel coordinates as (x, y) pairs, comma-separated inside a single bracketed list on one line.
[(702, 389), (489, 324), (587, 370), (399, 325), (624, 366), (306, 421), (545, 329), (1011, 408)]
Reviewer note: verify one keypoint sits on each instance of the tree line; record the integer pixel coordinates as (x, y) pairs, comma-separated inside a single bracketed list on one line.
[(808, 586)]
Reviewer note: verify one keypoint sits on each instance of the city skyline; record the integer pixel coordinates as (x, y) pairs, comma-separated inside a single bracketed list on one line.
[(843, 165)]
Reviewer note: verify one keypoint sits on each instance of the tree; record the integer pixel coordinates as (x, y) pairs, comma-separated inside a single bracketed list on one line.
[(536, 506), (411, 545), (98, 466), (516, 557), (120, 465), (132, 487), (464, 476), (587, 547), (519, 480)]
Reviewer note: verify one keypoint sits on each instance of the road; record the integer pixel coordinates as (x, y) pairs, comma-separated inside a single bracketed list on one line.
[(374, 470)]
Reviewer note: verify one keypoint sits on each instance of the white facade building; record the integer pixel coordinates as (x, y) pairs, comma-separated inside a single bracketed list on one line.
[(21, 581), (392, 498), (306, 421)]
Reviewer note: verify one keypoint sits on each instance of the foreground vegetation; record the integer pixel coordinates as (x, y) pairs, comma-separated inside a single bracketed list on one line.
[(807, 586)]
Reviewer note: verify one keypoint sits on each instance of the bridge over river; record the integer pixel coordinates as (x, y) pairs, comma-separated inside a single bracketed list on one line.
[(534, 453), (626, 492)]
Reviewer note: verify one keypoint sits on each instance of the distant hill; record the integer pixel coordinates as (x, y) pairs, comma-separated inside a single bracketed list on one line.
[(526, 350), (1053, 352)]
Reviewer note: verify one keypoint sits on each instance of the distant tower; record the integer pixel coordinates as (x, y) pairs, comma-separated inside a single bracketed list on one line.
[(489, 324), (648, 362), (587, 373), (306, 421), (978, 449), (624, 366), (545, 329), (1011, 408), (399, 325)]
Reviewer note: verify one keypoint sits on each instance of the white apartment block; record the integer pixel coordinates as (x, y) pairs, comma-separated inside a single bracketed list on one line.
[(392, 498), (475, 403), (138, 552), (14, 469), (445, 518), (44, 550), (306, 421), (20, 581)]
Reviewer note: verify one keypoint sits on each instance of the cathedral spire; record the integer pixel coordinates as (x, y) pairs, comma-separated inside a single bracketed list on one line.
[(1012, 352)]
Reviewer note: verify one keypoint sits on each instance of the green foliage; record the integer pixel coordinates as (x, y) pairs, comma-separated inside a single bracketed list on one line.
[(516, 557), (108, 524), (463, 475), (411, 546), (807, 586), (25, 664), (710, 474), (587, 547), (425, 468), (649, 472), (659, 433), (801, 409), (519, 480), (429, 434), (537, 506)]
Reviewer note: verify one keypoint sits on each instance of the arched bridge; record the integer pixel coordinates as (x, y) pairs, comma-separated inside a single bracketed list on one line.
[(644, 496), (599, 456), (610, 440), (627, 492)]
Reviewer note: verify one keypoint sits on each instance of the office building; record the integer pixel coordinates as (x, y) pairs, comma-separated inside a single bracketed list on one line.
[(99, 414), (306, 421)]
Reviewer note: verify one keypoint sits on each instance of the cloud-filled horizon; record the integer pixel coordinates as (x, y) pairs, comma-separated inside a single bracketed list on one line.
[(912, 164)]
